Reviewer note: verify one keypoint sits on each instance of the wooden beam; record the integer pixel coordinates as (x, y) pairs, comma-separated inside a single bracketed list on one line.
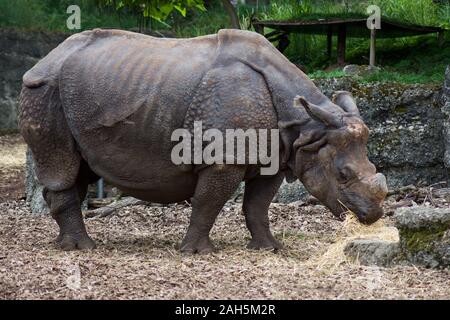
[(372, 46), (342, 34)]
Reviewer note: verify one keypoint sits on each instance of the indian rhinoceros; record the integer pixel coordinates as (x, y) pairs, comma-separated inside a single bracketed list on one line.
[(105, 103)]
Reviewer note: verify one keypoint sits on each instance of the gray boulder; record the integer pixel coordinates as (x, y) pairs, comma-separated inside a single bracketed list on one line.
[(291, 192), (373, 252), (359, 70), (424, 235)]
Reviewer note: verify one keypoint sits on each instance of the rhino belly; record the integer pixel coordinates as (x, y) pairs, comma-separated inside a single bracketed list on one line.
[(135, 157)]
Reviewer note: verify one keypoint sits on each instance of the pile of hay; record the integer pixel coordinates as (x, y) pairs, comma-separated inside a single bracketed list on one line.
[(351, 230), (13, 153)]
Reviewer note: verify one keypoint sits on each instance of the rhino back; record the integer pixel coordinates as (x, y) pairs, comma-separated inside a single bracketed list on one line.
[(124, 94), (114, 76), (47, 70)]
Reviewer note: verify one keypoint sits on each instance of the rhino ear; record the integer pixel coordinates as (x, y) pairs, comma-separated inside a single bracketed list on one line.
[(344, 99), (289, 132), (318, 113), (310, 141)]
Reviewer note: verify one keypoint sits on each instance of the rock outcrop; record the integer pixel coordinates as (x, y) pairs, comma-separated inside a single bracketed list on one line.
[(406, 123)]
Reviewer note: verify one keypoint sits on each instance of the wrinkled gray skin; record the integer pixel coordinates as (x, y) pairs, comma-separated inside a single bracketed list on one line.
[(105, 103)]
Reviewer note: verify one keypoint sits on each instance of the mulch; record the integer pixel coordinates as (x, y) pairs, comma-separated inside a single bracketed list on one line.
[(137, 257)]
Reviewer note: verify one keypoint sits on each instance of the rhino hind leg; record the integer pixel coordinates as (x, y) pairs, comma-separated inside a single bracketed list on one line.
[(216, 184), (65, 209), (72, 231), (44, 128), (258, 195)]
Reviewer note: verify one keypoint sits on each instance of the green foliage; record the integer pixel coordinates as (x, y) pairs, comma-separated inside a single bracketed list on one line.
[(157, 9), (414, 59), (21, 12), (198, 23), (326, 75), (424, 12), (51, 15)]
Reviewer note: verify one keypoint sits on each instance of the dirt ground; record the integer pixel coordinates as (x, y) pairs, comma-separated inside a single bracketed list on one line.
[(137, 255), (12, 165)]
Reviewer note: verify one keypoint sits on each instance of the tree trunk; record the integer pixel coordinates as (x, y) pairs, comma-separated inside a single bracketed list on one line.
[(231, 10), (34, 188)]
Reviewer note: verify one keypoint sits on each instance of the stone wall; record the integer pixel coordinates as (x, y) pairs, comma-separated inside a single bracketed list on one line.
[(446, 111), (406, 128), (19, 52), (408, 131)]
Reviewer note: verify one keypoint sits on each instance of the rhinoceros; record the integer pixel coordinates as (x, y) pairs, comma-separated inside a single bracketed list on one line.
[(105, 103)]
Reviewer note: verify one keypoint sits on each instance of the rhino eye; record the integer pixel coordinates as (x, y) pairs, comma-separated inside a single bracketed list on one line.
[(345, 174)]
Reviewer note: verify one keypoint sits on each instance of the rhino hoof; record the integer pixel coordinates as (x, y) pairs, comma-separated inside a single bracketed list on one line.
[(270, 244), (199, 246), (68, 242)]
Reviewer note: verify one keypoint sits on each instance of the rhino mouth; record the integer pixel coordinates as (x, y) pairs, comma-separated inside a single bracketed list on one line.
[(371, 216), (366, 213)]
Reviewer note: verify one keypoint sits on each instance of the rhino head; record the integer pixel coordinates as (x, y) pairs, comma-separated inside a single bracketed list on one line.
[(329, 157)]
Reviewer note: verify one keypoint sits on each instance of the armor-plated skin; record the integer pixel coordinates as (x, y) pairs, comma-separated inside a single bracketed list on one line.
[(106, 102)]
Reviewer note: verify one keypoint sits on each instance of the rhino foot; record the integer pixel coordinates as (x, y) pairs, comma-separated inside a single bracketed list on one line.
[(266, 243), (201, 246), (69, 242)]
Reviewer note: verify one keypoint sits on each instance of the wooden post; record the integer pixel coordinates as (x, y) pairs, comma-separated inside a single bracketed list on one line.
[(372, 47), (259, 29), (329, 41), (342, 33), (441, 39)]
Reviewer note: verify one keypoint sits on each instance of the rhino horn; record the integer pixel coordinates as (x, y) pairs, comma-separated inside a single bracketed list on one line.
[(319, 113), (345, 100)]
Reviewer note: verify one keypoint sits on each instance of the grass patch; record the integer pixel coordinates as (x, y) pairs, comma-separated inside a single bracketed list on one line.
[(418, 60)]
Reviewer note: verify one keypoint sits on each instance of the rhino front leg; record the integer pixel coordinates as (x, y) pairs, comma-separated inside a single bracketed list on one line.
[(258, 195), (216, 184)]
